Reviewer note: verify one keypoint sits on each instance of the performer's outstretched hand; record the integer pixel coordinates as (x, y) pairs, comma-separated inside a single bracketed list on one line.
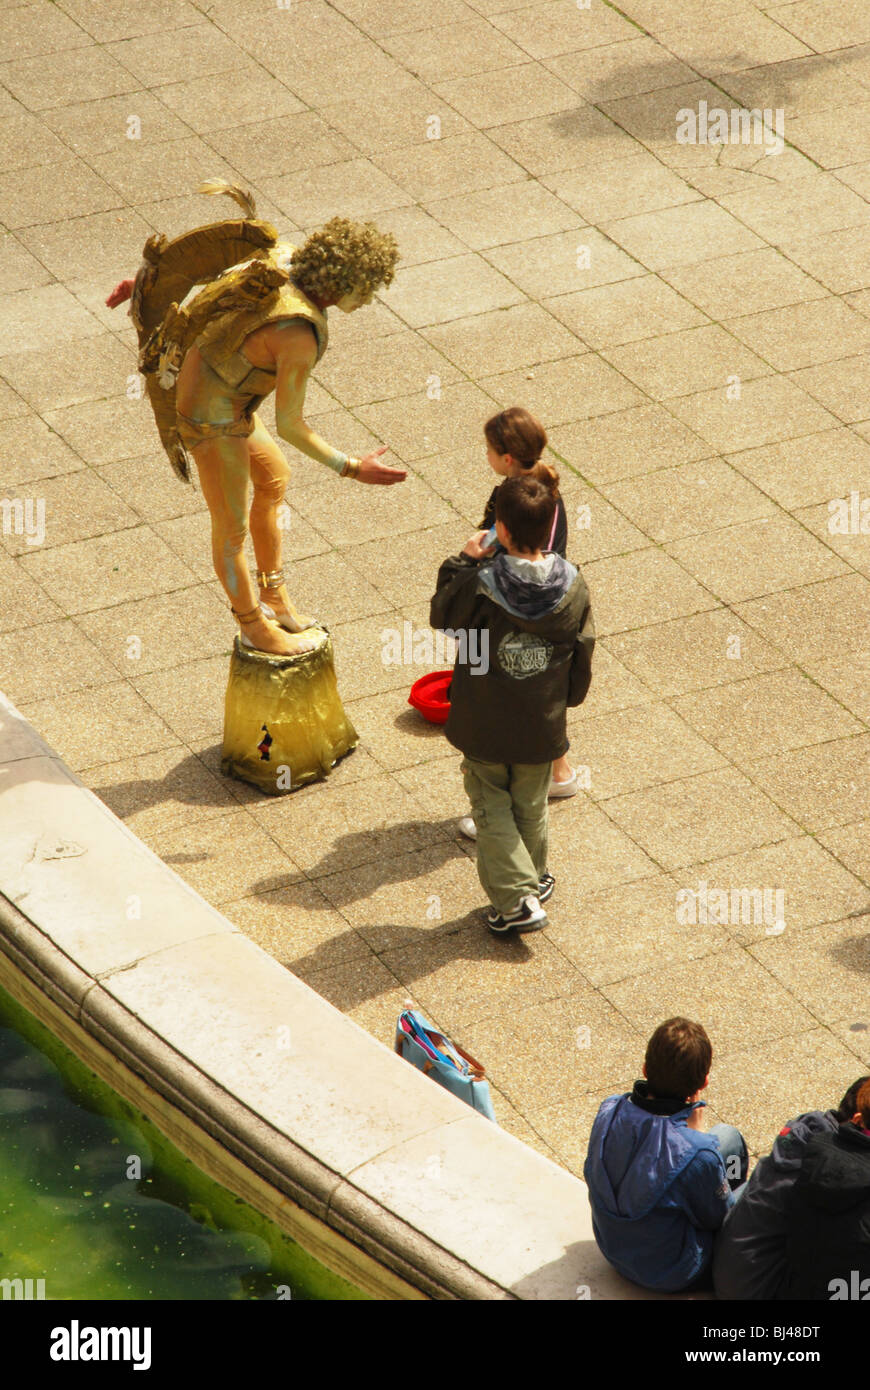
[(120, 293), (371, 470)]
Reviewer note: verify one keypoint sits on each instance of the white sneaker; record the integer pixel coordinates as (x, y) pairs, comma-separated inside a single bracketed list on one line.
[(528, 915), (560, 789), (468, 828)]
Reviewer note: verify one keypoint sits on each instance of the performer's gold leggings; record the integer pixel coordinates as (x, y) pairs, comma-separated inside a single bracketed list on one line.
[(227, 468)]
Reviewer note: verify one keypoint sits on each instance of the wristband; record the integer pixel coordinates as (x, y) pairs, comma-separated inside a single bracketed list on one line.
[(351, 468)]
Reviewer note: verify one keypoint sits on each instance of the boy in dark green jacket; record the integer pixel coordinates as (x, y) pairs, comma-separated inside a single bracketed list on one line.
[(527, 617)]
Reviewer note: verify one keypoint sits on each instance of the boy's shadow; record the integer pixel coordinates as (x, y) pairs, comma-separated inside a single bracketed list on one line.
[(413, 954), (389, 852), (412, 950), (396, 854)]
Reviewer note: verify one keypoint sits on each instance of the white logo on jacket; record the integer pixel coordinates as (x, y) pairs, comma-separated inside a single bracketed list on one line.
[(522, 654)]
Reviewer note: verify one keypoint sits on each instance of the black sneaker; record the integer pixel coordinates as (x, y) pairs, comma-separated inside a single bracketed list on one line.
[(546, 887), (529, 916)]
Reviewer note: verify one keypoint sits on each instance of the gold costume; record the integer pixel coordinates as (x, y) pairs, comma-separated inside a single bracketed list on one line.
[(196, 301), (211, 289)]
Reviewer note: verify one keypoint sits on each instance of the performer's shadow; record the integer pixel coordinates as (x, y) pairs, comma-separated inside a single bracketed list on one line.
[(189, 782)]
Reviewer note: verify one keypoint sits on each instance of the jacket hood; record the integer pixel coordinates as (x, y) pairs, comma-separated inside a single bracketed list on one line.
[(635, 1156), (835, 1174), (543, 603), (789, 1146)]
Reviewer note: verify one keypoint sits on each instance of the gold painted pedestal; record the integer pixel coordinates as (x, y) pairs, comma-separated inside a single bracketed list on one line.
[(284, 723)]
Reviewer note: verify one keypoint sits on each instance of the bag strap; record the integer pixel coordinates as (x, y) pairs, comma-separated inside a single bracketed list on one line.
[(472, 1061), (443, 1048), (424, 1038), (553, 527), (412, 1025), (404, 1029), (426, 1033)]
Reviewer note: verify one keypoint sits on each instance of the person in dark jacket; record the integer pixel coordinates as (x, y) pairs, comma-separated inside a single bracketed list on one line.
[(659, 1187), (515, 441), (827, 1247), (530, 616), (749, 1261)]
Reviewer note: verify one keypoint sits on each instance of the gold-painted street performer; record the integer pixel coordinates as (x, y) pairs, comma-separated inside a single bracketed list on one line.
[(225, 315)]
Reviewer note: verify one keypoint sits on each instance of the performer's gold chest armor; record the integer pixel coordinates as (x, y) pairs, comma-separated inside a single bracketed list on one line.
[(198, 290), (220, 343)]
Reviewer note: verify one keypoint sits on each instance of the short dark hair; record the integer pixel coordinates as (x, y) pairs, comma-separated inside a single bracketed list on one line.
[(526, 505), (849, 1104), (862, 1104), (678, 1057)]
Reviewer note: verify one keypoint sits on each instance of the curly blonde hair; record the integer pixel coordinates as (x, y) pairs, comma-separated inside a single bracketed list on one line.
[(344, 256)]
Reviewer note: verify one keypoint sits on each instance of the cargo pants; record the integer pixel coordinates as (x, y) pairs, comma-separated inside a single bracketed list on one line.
[(509, 806)]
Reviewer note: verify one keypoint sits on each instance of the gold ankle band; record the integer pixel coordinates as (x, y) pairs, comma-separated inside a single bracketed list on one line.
[(248, 617), (272, 579)]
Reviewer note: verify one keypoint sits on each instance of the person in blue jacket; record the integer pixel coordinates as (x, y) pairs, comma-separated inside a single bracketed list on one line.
[(659, 1187)]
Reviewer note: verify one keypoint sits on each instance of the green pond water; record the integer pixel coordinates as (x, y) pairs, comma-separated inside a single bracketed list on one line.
[(74, 1213)]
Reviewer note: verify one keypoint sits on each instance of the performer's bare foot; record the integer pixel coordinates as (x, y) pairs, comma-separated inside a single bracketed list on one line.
[(265, 636), (286, 613)]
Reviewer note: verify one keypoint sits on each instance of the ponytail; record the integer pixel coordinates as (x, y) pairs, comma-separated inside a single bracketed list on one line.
[(544, 473)]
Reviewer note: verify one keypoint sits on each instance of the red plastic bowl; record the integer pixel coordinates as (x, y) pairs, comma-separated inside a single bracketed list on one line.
[(429, 696)]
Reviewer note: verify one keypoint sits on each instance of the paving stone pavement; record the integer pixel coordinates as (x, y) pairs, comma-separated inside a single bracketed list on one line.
[(690, 320)]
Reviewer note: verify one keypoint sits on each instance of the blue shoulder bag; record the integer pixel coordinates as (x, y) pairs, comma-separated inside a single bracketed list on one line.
[(445, 1061)]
